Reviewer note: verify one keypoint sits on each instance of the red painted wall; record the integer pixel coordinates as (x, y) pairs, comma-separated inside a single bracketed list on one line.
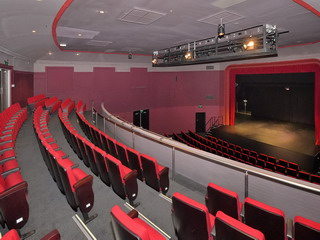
[(172, 97), (23, 89)]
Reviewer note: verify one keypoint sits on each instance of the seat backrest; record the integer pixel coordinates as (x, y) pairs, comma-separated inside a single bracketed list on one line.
[(228, 228), (122, 153), (112, 147), (269, 220), (125, 228), (116, 175), (221, 199), (150, 171), (305, 229), (191, 220), (135, 161)]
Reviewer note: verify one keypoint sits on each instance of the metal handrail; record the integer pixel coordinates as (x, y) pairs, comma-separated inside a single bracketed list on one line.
[(208, 156)]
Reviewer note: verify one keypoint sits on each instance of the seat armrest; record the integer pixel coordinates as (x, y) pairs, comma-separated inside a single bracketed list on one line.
[(164, 180), (213, 232), (53, 235), (6, 173), (131, 185), (289, 227), (133, 214), (75, 166)]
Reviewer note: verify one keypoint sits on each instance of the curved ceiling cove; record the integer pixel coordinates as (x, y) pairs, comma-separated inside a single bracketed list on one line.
[(141, 26)]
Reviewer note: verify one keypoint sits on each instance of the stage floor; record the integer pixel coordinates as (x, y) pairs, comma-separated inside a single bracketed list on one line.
[(291, 141)]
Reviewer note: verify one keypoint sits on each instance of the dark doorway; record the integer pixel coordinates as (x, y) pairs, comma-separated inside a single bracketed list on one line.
[(200, 122), (141, 118)]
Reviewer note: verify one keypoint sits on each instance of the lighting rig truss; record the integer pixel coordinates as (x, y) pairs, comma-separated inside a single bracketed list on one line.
[(255, 42)]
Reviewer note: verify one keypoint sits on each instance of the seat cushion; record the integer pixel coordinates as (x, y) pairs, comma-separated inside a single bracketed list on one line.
[(13, 179), (153, 234)]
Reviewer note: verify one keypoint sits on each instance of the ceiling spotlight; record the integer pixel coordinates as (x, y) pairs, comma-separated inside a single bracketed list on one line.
[(34, 31), (78, 54), (79, 34), (249, 45), (287, 88), (154, 61), (221, 30), (63, 44), (49, 53), (101, 11), (188, 55)]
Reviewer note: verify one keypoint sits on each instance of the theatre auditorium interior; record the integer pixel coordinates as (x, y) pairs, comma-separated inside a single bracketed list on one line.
[(157, 120)]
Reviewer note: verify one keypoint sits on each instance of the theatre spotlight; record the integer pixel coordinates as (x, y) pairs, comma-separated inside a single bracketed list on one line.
[(249, 45), (221, 30), (188, 55)]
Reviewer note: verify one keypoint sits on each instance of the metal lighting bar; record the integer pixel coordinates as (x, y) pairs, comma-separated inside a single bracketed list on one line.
[(233, 46)]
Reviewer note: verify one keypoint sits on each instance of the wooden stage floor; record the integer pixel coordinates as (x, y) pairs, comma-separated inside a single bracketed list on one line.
[(291, 141)]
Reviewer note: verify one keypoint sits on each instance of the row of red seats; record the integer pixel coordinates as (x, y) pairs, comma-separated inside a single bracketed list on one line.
[(237, 153), (122, 179), (220, 218), (14, 208), (67, 105), (270, 221), (14, 235), (52, 104), (36, 101), (74, 183), (148, 169)]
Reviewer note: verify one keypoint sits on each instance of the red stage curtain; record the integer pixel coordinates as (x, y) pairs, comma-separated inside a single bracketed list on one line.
[(299, 66)]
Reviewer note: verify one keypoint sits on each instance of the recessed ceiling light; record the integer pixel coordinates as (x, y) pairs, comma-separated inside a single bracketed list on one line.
[(39, 0), (63, 44), (78, 54), (34, 31), (101, 11), (79, 34), (50, 53)]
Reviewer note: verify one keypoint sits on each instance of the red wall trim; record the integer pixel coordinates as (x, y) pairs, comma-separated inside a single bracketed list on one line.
[(5, 66), (307, 6), (56, 20)]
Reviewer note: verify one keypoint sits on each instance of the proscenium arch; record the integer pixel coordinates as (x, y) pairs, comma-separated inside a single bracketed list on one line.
[(297, 66)]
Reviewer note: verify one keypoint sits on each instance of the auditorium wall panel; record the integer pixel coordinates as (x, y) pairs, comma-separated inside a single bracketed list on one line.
[(170, 96)]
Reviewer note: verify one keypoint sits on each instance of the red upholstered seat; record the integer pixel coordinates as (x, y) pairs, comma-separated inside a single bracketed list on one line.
[(191, 219), (13, 179), (269, 220), (156, 176), (11, 235), (7, 154), (9, 165), (222, 199), (123, 180), (305, 229), (131, 227), (231, 229)]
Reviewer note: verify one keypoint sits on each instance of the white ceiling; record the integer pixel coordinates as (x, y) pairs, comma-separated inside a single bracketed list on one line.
[(141, 26)]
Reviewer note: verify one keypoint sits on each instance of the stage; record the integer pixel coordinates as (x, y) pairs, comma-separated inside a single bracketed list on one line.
[(290, 141)]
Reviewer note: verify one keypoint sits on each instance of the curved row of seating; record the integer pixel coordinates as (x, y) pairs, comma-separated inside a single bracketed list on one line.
[(110, 170), (223, 217), (14, 207), (147, 168), (237, 153), (74, 183), (36, 101)]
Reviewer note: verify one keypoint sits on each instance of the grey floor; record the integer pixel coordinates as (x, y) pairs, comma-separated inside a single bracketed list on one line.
[(49, 208)]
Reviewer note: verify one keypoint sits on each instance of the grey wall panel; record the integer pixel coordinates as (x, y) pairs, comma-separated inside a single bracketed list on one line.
[(291, 200), (203, 172), (110, 128), (124, 136), (155, 149)]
